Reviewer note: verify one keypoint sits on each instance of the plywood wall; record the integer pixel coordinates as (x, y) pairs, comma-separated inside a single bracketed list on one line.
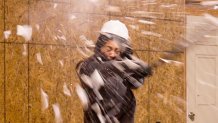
[(57, 27)]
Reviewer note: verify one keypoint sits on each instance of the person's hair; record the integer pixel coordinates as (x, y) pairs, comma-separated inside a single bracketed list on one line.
[(103, 38)]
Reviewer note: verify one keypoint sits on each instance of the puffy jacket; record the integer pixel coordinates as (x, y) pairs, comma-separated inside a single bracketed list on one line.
[(114, 98)]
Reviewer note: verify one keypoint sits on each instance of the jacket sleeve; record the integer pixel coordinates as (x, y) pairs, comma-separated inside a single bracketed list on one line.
[(134, 78)]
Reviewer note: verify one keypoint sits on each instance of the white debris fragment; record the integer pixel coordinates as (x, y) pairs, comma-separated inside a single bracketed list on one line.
[(215, 7), (93, 1), (146, 22), (95, 107), (211, 18), (135, 27), (172, 62), (150, 33), (89, 43), (24, 53), (39, 58), (160, 96), (72, 17), (55, 5), (110, 8), (57, 113), (209, 3), (61, 62), (80, 51), (83, 96), (130, 18), (168, 5), (24, 31), (44, 100), (87, 80), (61, 37), (7, 34), (97, 79), (37, 26), (66, 90)]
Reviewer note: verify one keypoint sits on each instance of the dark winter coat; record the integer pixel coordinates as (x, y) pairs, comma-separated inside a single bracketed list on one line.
[(116, 100)]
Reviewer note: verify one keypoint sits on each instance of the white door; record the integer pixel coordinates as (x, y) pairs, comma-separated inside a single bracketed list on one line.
[(202, 74)]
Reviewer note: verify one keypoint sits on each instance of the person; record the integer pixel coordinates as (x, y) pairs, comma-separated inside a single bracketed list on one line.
[(109, 75)]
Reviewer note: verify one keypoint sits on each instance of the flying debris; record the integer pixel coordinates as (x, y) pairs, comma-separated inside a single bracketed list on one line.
[(87, 80), (61, 62), (24, 53), (97, 79), (37, 26), (93, 1), (44, 100), (168, 5), (110, 8), (55, 5), (72, 17), (83, 96), (209, 3), (171, 62), (24, 31), (81, 52), (135, 27), (89, 43), (39, 58), (57, 113), (66, 90), (150, 33), (95, 107), (7, 34), (130, 18), (146, 22)]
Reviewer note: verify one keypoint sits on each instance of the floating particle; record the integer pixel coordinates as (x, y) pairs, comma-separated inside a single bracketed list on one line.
[(146, 22), (44, 100), (87, 80), (57, 113), (7, 34), (24, 53), (72, 17), (150, 33), (168, 5), (97, 79), (55, 5), (39, 58), (61, 62), (209, 3), (82, 96), (24, 31), (66, 90), (110, 8)]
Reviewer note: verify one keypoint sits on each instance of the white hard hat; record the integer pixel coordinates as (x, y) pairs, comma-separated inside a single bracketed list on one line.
[(115, 27)]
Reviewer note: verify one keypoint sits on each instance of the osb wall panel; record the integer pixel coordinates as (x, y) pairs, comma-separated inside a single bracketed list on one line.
[(142, 94), (50, 68), (16, 13), (2, 82), (89, 6), (167, 91), (46, 18), (16, 84), (60, 25), (1, 21), (165, 34), (128, 8), (168, 9)]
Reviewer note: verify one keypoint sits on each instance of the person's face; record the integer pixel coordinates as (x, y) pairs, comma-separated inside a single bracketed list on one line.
[(111, 49)]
